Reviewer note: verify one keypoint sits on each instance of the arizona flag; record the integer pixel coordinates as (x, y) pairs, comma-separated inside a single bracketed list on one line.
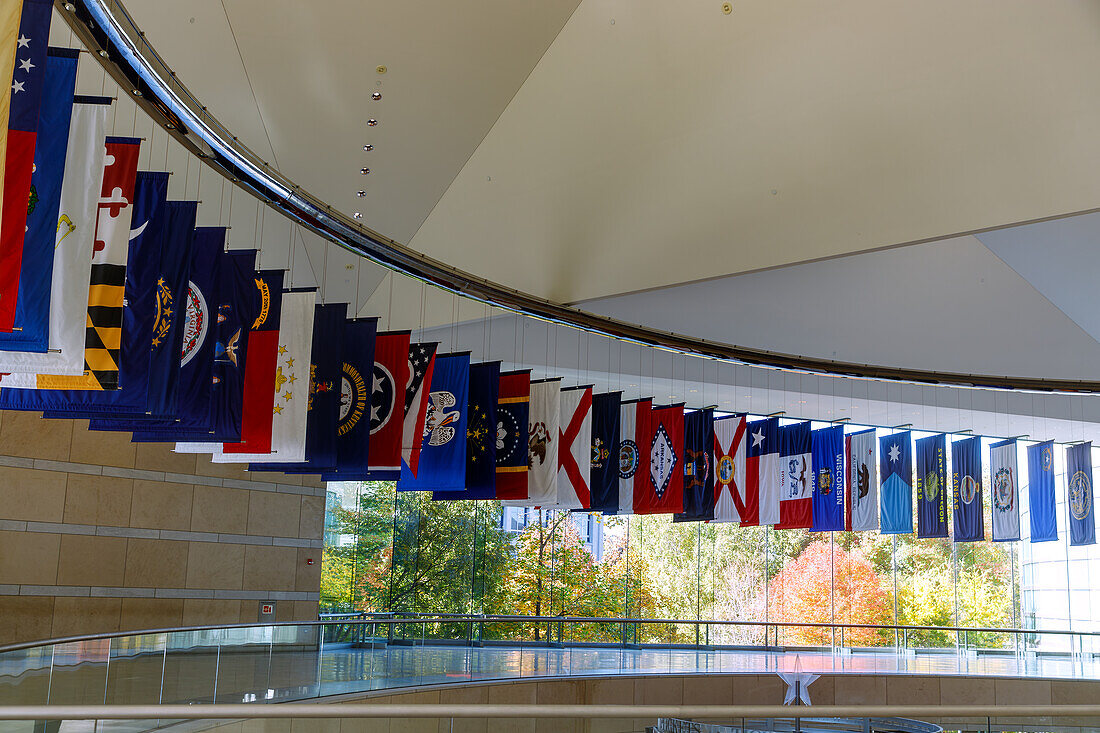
[(513, 411), (633, 421), (575, 449), (421, 363), (663, 489), (796, 503), (387, 404), (28, 81), (862, 480), (732, 500)]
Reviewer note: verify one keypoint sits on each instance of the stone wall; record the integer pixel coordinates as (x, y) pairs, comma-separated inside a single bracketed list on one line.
[(99, 534)]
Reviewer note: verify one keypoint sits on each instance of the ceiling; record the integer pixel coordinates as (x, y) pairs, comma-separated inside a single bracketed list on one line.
[(828, 179)]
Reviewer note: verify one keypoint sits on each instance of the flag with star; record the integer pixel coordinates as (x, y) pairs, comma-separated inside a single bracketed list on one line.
[(481, 411), (932, 486), (698, 468), (663, 483), (605, 452), (513, 411), (28, 82), (353, 423), (966, 489), (421, 363), (387, 405), (896, 489), (1040, 492), (829, 485), (796, 477), (443, 449), (32, 309), (1082, 524), (288, 414), (10, 40), (762, 475), (862, 478)]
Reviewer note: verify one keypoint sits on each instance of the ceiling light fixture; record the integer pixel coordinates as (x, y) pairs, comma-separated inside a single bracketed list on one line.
[(372, 122), (368, 148), (357, 215), (364, 171), (360, 194), (376, 96)]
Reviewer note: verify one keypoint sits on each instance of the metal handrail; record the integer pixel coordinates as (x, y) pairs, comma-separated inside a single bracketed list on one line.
[(107, 29), (391, 619)]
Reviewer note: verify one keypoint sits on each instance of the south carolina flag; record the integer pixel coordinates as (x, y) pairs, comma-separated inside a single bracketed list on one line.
[(732, 501), (633, 421), (663, 491), (575, 449), (796, 475), (387, 404), (862, 480)]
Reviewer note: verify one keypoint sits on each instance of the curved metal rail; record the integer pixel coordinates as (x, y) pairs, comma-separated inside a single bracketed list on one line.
[(105, 27)]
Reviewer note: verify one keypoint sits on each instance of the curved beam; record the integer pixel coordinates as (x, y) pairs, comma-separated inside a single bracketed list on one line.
[(107, 29)]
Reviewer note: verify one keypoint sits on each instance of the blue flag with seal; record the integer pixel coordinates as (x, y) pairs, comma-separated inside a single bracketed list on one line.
[(323, 409), (481, 455), (966, 489), (1082, 525), (1040, 493), (32, 308), (353, 421), (698, 467), (604, 476), (828, 465), (443, 447), (932, 486), (236, 312), (896, 494), (193, 418)]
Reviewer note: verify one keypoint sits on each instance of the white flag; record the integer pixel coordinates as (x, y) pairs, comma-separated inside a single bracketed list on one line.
[(72, 259), (730, 488), (575, 449), (542, 446), (629, 454), (288, 420), (763, 467), (863, 480), (1005, 494)]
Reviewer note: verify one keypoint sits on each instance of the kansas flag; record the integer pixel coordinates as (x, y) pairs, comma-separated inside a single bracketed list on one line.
[(932, 486), (896, 471), (1040, 493), (828, 465), (443, 448), (966, 489), (1082, 525)]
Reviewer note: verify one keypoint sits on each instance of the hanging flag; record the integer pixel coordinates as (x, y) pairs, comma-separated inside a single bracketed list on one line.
[(322, 393), (513, 414), (443, 450), (1040, 492), (763, 477), (32, 310), (353, 422), (697, 467), (542, 444), (966, 489), (28, 83), (1004, 491), (387, 403), (236, 313), (288, 414), (193, 413), (1082, 525), (931, 487), (732, 500), (796, 475), (633, 416), (72, 252), (605, 452), (896, 473), (829, 480), (663, 490), (574, 449), (421, 363), (862, 480), (108, 278), (9, 39), (480, 435)]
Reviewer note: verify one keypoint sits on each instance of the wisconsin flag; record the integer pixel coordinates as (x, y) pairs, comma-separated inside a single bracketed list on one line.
[(1040, 492), (605, 452), (574, 448), (633, 417), (762, 472), (387, 404), (862, 480), (443, 448), (663, 492), (513, 413), (796, 504), (932, 487), (896, 472), (829, 483), (1082, 525), (1004, 491), (966, 489), (732, 500), (542, 443), (421, 363)]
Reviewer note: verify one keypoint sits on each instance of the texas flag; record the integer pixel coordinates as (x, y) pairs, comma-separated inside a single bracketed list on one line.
[(663, 487), (732, 501), (575, 449), (762, 475), (633, 426), (796, 503)]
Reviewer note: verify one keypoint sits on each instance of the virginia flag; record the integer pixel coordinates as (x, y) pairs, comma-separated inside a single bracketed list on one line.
[(387, 404), (829, 484), (663, 492), (932, 486), (762, 470), (966, 489), (605, 452), (1082, 525), (1004, 491), (443, 450), (32, 309), (421, 364), (353, 423), (896, 472), (796, 476), (28, 83), (732, 501), (1040, 491), (633, 416), (574, 448), (863, 481), (698, 472), (481, 410)]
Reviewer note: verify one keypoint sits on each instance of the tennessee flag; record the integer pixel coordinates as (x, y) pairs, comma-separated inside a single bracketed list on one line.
[(387, 404)]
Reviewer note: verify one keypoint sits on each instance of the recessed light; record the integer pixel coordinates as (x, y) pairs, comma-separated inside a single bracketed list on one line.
[(368, 148), (102, 53), (364, 171), (372, 122), (357, 215), (137, 92), (376, 96), (360, 194)]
